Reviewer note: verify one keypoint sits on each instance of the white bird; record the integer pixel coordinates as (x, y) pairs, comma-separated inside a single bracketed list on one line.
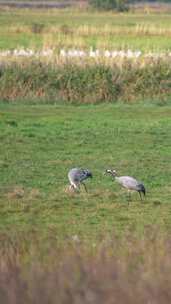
[(128, 182), (63, 53), (92, 53), (107, 54), (76, 177)]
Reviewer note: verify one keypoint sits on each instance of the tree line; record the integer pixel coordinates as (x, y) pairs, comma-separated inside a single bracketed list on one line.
[(119, 5)]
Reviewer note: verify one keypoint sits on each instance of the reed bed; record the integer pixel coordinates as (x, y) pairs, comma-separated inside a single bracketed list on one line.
[(89, 80), (83, 36), (87, 30)]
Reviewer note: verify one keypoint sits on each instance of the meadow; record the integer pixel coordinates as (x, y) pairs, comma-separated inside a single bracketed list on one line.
[(78, 28), (55, 114), (39, 144)]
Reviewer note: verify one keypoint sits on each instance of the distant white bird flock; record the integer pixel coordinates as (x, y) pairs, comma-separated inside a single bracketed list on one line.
[(97, 53), (77, 176), (26, 53), (78, 53)]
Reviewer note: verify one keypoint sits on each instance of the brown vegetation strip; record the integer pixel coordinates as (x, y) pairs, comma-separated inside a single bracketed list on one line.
[(90, 82), (117, 271)]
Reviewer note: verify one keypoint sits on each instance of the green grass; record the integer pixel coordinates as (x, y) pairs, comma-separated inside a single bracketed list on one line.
[(64, 29), (39, 144)]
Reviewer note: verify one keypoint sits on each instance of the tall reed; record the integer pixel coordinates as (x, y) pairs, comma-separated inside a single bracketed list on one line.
[(85, 81)]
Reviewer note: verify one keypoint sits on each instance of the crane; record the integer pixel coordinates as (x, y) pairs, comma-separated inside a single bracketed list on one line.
[(128, 182), (77, 176)]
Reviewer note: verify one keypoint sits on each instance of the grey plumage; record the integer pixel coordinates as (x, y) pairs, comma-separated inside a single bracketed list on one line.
[(128, 182), (77, 176)]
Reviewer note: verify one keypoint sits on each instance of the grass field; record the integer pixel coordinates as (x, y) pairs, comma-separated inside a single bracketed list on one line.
[(39, 144), (70, 28)]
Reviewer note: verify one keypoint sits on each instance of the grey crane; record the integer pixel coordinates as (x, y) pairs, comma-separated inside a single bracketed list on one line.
[(128, 182), (76, 177)]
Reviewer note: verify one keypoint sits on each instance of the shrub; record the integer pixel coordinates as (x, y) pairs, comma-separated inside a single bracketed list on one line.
[(37, 28), (119, 5)]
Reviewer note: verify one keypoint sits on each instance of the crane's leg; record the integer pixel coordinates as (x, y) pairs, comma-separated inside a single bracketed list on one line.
[(85, 187), (72, 188), (78, 187), (129, 196), (75, 187), (140, 195)]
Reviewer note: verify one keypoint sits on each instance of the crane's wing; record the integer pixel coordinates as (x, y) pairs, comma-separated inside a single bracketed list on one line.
[(76, 175), (128, 182)]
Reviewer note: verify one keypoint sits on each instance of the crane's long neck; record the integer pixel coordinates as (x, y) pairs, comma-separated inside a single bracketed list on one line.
[(114, 176)]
